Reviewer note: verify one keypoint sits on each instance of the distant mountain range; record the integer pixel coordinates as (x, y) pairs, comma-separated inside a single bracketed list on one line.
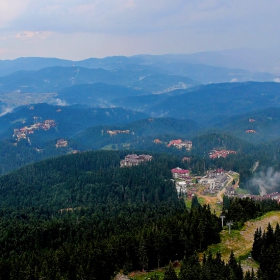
[(201, 67), (128, 102), (209, 103), (53, 79)]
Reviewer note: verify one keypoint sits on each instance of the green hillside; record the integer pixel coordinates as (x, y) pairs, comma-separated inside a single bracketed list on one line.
[(96, 95), (84, 215), (256, 126), (140, 134), (53, 79), (211, 103)]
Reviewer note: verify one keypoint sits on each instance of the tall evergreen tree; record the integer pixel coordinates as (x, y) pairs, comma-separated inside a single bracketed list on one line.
[(170, 273), (190, 268)]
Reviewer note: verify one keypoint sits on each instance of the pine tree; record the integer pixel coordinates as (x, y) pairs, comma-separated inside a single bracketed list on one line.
[(195, 203), (236, 272), (170, 273), (190, 268)]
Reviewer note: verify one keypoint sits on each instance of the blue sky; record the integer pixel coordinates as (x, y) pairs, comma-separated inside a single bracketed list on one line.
[(78, 29)]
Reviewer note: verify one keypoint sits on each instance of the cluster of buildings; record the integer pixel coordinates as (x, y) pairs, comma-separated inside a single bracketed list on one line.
[(115, 132), (271, 196), (215, 153), (133, 159), (215, 179), (61, 143), (179, 144), (23, 132), (182, 179)]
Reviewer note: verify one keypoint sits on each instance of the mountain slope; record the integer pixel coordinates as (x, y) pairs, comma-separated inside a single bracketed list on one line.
[(211, 67), (69, 119), (98, 94), (137, 135), (256, 126), (210, 103), (53, 79), (65, 182)]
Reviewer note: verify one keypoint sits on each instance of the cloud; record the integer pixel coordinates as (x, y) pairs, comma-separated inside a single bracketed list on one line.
[(269, 179), (80, 28), (60, 102), (33, 34), (138, 16), (116, 15), (12, 9), (111, 16), (5, 110)]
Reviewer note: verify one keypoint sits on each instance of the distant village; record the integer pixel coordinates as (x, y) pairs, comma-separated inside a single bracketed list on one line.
[(251, 130), (179, 144), (215, 182), (61, 143), (115, 132), (216, 153), (23, 132)]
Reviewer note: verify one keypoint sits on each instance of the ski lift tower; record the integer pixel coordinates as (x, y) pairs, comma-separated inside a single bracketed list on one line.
[(222, 218), (229, 224)]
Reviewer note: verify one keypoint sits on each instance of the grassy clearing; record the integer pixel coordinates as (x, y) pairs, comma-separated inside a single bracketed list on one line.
[(214, 203), (241, 241), (201, 200), (188, 203), (235, 177), (241, 191), (148, 275)]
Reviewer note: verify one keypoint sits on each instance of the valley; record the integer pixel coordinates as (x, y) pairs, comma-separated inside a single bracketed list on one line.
[(12, 100), (124, 164)]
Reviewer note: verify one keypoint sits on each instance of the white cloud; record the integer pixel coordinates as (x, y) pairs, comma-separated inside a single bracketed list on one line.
[(80, 28), (11, 10), (269, 179), (141, 16), (33, 34)]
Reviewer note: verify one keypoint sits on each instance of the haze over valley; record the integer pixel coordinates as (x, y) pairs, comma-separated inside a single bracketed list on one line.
[(139, 140)]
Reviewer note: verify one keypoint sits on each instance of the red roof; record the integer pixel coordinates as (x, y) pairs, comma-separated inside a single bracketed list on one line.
[(174, 142), (180, 171)]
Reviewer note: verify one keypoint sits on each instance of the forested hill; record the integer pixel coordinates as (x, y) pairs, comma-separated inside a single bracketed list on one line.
[(140, 134), (83, 217), (52, 79), (88, 179), (255, 127), (69, 119), (208, 104)]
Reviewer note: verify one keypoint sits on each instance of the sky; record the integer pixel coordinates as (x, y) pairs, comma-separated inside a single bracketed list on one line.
[(79, 29)]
